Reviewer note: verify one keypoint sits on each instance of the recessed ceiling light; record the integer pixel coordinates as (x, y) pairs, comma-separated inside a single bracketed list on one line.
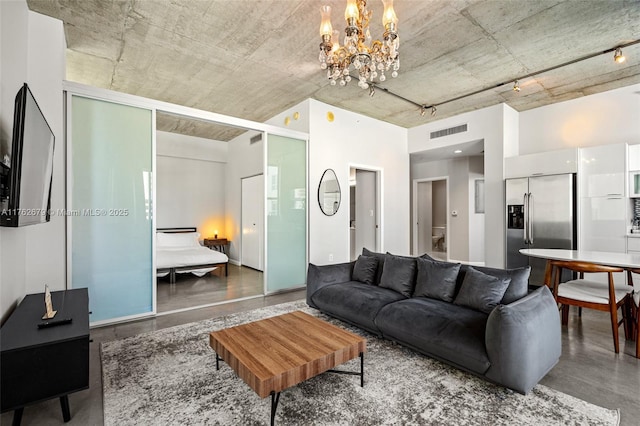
[(457, 151)]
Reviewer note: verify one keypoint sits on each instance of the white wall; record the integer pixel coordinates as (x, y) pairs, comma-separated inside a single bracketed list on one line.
[(33, 51), (498, 127), (476, 220), (603, 118), (191, 183), (353, 140)]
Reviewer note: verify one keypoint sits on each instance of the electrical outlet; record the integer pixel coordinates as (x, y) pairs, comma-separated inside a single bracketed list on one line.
[(330, 257)]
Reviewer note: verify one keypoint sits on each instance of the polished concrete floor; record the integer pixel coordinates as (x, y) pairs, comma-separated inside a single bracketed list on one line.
[(190, 290), (588, 369)]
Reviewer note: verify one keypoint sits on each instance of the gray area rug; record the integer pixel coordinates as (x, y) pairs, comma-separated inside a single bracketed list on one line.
[(168, 377)]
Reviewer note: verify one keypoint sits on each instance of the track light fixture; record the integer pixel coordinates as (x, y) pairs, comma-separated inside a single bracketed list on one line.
[(516, 86), (372, 90), (617, 56)]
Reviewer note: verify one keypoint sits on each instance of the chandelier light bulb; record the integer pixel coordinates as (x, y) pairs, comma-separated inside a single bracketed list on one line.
[(389, 15), (351, 12), (325, 24), (618, 56), (336, 41)]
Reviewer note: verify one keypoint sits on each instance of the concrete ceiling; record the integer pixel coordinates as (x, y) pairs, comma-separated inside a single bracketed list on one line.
[(255, 58)]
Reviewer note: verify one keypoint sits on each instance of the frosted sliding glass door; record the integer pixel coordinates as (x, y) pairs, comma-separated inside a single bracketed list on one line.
[(110, 207), (286, 209)]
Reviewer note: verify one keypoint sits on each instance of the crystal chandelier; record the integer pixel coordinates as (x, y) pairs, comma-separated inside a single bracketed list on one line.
[(370, 58)]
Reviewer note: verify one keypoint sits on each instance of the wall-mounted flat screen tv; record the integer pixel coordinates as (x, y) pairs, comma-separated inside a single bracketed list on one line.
[(30, 173)]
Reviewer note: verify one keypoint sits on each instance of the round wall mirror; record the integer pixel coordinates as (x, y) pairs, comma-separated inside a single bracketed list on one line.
[(329, 193)]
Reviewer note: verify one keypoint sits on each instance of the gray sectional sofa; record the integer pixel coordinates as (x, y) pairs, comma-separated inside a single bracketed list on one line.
[(482, 320)]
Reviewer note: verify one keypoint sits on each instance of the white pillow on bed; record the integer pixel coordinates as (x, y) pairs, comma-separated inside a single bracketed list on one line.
[(182, 239)]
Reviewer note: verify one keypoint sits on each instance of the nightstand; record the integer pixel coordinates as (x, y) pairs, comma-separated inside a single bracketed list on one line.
[(219, 244)]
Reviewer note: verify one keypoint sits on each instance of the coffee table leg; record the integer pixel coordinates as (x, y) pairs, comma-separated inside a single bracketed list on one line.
[(275, 397), (361, 369), (218, 359)]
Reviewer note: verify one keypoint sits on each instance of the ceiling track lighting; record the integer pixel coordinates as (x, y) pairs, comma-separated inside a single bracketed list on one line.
[(618, 57), (433, 111), (516, 86)]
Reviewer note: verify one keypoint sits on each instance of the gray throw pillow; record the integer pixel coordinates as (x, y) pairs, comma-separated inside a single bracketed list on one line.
[(481, 291), (518, 287), (436, 280), (380, 257), (399, 274), (364, 269)]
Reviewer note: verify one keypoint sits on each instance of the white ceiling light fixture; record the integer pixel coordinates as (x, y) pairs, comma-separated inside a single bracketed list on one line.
[(370, 58), (457, 151), (618, 56)]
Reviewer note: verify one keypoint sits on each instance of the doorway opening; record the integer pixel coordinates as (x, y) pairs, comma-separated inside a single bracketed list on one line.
[(364, 210), (431, 225)]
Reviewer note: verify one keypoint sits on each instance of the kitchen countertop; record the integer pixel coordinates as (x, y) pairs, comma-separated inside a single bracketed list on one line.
[(633, 235)]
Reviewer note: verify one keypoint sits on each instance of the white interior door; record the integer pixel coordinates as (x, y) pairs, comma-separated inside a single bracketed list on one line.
[(252, 247), (425, 217), (366, 214)]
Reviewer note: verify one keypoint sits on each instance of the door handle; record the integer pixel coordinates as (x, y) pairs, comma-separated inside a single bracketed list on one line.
[(530, 221), (525, 202)]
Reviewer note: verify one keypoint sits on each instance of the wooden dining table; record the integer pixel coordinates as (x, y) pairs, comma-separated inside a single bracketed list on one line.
[(621, 260)]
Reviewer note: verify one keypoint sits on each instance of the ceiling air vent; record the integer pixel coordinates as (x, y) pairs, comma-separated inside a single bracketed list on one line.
[(449, 131), (256, 138)]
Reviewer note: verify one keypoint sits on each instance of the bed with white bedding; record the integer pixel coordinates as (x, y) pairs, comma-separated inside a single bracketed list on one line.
[(178, 250)]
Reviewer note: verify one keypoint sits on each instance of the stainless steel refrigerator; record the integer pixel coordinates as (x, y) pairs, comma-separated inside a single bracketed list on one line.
[(541, 213)]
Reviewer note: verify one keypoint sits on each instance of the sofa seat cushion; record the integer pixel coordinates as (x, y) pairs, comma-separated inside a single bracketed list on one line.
[(355, 302), (449, 332)]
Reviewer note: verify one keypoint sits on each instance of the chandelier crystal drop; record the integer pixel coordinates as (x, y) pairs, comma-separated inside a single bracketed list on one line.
[(370, 58)]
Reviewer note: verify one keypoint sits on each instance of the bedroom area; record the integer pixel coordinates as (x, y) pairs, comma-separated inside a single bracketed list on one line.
[(162, 218), (196, 256)]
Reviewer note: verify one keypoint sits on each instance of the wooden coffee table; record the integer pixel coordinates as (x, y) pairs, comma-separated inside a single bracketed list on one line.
[(276, 353)]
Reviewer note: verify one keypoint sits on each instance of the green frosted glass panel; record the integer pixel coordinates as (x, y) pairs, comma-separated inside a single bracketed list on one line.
[(286, 208), (111, 223)]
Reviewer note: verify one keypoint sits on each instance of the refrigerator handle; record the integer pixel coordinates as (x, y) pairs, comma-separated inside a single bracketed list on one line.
[(525, 201), (529, 220)]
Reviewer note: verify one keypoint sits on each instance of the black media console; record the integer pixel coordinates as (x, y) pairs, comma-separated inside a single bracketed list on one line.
[(44, 362)]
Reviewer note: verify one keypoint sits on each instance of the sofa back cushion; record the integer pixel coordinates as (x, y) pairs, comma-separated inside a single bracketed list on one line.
[(365, 269), (481, 291), (399, 274), (436, 280), (518, 286)]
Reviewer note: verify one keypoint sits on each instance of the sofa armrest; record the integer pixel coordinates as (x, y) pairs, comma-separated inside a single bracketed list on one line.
[(523, 340), (321, 276)]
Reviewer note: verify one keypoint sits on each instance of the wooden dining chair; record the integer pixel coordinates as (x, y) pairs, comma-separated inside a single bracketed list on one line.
[(635, 306), (592, 294)]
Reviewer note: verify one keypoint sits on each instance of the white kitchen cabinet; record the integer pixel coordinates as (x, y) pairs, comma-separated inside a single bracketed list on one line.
[(603, 224), (633, 245), (602, 171), (634, 158), (556, 162)]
